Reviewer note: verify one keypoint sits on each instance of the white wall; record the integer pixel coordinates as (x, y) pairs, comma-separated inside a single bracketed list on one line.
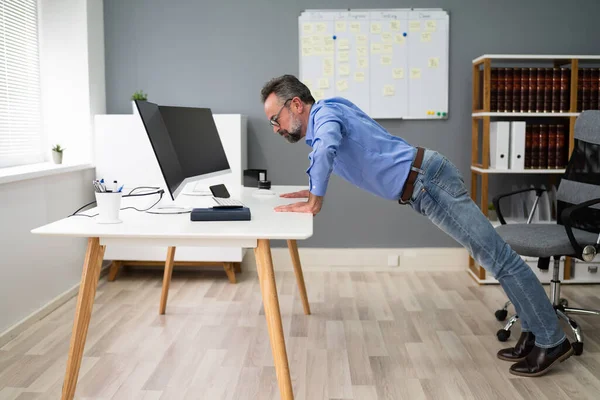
[(36, 270)]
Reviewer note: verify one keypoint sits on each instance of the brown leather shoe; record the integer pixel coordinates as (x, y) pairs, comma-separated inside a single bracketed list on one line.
[(523, 347), (540, 360)]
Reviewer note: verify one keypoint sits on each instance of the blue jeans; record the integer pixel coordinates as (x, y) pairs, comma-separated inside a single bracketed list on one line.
[(440, 194)]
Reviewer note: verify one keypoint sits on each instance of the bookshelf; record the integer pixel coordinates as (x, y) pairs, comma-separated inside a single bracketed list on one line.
[(546, 91)]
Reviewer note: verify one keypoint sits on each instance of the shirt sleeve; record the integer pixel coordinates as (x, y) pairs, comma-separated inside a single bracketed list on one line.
[(327, 139)]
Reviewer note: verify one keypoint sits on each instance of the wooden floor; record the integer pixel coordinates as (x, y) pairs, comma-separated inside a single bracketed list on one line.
[(372, 335)]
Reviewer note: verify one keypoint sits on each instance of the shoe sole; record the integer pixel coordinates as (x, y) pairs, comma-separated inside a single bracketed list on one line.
[(511, 359), (540, 373)]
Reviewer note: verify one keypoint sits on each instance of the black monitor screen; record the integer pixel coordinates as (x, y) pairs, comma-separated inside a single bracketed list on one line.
[(195, 139), (161, 143)]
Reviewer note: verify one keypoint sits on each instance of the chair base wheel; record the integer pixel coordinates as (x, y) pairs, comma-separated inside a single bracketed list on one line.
[(577, 348), (501, 315), (503, 335)]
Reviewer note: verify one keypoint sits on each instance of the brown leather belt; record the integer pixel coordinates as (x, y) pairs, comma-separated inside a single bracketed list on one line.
[(412, 176)]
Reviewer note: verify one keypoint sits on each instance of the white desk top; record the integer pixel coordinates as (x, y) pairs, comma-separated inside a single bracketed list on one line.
[(265, 223)]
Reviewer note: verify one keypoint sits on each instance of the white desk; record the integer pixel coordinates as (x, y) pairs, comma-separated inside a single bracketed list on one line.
[(177, 230)]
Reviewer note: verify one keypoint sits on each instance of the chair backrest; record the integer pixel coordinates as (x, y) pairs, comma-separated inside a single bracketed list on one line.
[(581, 181)]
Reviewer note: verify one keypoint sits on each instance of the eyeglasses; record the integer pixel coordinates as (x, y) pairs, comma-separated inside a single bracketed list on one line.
[(274, 120)]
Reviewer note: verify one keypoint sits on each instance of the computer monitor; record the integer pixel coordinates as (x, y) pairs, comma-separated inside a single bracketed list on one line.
[(162, 145), (194, 138)]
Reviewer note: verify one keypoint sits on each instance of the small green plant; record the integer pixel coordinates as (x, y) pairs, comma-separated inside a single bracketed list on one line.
[(139, 95), (58, 149), (491, 207)]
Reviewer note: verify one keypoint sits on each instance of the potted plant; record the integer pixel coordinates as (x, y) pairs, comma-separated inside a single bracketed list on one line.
[(57, 154), (492, 216), (139, 95)]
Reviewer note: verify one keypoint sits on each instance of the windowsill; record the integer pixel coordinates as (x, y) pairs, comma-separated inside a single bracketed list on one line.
[(23, 172)]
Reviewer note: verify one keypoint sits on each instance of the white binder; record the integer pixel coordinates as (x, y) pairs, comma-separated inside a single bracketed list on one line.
[(517, 145), (499, 144)]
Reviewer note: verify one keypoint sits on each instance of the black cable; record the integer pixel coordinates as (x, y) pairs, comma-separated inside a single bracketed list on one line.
[(158, 191)]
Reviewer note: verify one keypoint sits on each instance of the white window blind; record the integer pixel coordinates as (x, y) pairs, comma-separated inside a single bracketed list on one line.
[(20, 98)]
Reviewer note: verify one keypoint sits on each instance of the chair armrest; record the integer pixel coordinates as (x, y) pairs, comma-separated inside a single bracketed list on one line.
[(566, 217), (496, 200)]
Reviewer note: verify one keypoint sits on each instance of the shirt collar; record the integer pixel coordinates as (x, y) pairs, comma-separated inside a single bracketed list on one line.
[(311, 123)]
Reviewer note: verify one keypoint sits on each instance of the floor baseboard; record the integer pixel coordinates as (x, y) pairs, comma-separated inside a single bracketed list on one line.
[(42, 312), (367, 259)]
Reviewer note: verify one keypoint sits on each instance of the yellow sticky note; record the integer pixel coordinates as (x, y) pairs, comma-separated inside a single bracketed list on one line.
[(344, 69), (343, 44), (317, 50), (355, 27), (375, 28), (433, 62), (363, 62), (400, 39), (329, 49), (342, 85), (362, 51), (395, 25), (308, 83), (389, 90), (321, 27), (386, 37), (307, 27), (317, 39), (306, 41), (376, 48), (398, 73), (328, 40), (318, 94), (324, 83), (340, 26), (328, 67), (430, 26), (425, 36), (414, 26), (388, 48), (307, 51), (359, 76), (386, 60), (415, 73), (343, 56), (361, 40)]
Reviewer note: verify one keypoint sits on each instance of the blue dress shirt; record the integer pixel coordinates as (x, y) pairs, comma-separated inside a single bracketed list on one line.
[(348, 142)]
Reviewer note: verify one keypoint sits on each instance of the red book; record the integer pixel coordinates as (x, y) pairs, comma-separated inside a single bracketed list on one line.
[(528, 145), (552, 136), (524, 90), (565, 89), (543, 156)]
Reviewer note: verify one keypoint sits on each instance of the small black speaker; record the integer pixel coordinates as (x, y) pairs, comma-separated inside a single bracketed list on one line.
[(253, 176)]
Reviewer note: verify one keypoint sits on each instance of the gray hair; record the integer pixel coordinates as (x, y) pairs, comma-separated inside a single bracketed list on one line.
[(287, 87)]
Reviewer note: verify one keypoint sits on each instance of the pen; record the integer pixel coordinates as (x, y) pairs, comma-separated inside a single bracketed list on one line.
[(120, 189)]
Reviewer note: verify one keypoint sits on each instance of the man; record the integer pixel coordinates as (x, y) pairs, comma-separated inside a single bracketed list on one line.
[(346, 141)]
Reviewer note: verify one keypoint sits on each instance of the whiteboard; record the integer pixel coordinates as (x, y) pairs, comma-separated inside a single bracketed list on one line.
[(391, 63)]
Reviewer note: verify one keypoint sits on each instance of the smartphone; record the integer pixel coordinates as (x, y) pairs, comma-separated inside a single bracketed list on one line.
[(219, 191)]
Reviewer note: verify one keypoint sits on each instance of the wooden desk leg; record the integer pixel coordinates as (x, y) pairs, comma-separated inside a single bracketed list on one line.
[(266, 275), (230, 271), (293, 247), (114, 270), (167, 279), (83, 314)]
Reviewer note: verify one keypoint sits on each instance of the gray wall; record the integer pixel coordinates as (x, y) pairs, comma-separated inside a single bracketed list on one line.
[(218, 54)]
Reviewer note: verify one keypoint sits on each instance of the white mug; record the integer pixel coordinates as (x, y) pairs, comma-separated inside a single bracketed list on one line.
[(109, 204)]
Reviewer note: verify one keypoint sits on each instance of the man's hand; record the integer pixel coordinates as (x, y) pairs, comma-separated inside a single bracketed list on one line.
[(312, 206), (301, 207), (296, 195)]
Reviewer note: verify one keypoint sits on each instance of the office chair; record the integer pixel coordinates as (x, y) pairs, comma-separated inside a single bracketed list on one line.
[(576, 233)]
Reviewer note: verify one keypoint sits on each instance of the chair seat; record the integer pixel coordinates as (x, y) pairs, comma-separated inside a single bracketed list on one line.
[(542, 240)]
